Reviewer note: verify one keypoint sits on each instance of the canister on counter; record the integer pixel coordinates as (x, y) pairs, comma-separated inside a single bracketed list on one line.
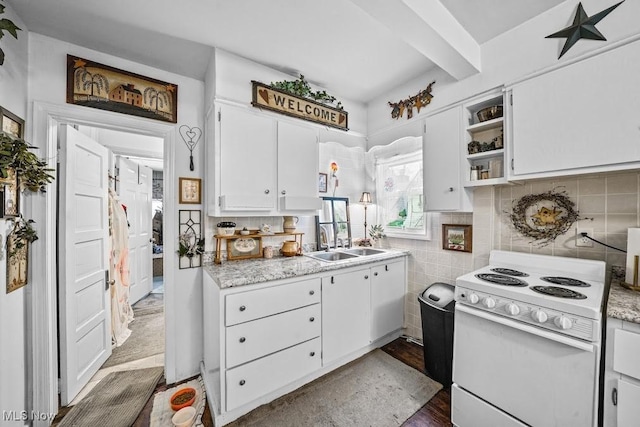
[(268, 252)]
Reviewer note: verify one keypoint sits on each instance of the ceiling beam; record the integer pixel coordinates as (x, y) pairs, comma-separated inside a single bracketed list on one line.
[(428, 27)]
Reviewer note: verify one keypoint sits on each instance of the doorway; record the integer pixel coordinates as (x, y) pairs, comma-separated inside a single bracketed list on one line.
[(135, 227), (44, 376)]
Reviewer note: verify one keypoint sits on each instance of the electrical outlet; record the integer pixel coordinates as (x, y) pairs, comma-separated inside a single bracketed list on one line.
[(583, 242)]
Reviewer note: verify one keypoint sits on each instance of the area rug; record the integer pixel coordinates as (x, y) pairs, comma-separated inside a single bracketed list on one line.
[(374, 390), (161, 413), (116, 401), (146, 339)]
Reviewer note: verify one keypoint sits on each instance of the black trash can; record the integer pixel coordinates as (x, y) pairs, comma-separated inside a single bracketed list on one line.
[(437, 309)]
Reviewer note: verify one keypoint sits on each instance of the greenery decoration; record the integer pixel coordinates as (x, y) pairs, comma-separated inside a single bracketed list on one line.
[(376, 232), (190, 245), (24, 233), (6, 25), (300, 87), (419, 100), (33, 173), (545, 216)]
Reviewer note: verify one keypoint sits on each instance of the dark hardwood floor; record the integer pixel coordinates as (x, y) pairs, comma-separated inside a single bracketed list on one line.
[(435, 413)]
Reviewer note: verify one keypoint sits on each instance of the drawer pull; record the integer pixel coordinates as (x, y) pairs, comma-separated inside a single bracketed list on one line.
[(332, 281), (366, 276), (243, 308), (311, 319), (242, 382), (312, 292), (242, 339), (313, 353), (386, 268), (614, 396)]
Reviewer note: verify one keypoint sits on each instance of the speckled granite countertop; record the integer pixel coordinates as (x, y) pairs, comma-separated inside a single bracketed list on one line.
[(624, 304), (246, 272)]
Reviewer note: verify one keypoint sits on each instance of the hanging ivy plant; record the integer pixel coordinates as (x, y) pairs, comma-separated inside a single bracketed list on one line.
[(7, 25), (543, 217), (301, 88)]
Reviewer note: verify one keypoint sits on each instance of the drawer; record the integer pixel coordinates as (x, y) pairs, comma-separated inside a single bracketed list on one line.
[(246, 306), (251, 340), (263, 376), (626, 348)]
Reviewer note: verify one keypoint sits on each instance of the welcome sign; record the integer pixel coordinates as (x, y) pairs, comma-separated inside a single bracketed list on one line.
[(282, 102)]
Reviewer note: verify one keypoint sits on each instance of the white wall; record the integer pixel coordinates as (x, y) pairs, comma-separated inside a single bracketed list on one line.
[(47, 83), (14, 335)]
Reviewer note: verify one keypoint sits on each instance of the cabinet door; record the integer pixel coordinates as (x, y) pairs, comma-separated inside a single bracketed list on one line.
[(579, 116), (387, 298), (628, 398), (441, 161), (345, 314), (247, 160), (297, 166)]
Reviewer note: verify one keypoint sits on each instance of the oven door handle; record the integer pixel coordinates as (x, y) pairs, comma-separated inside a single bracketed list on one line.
[(572, 342)]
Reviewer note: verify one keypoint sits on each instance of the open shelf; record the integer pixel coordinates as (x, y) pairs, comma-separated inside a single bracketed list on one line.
[(486, 154), (489, 124), (483, 182)]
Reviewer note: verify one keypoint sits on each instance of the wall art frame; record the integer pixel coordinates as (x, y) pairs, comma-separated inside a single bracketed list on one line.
[(323, 178), (190, 232), (11, 124), (190, 190), (95, 85), (10, 195), (17, 264), (457, 237), (244, 248)]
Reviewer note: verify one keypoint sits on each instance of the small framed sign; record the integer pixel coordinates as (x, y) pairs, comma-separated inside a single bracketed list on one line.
[(11, 195), (190, 191), (322, 182), (12, 125), (456, 237)]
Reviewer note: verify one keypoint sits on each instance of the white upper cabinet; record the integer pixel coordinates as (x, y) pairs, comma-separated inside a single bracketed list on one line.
[(441, 163), (262, 165), (581, 118), (247, 160), (297, 167)]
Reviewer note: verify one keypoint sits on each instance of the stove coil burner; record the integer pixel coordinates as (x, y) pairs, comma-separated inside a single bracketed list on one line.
[(509, 272), (556, 291), (565, 281), (500, 279)]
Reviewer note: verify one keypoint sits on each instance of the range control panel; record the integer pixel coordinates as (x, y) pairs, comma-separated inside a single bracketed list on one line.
[(567, 324)]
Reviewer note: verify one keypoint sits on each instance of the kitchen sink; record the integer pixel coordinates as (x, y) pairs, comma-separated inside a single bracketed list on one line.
[(363, 251), (331, 256)]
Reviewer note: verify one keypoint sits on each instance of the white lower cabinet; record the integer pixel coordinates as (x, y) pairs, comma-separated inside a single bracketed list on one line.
[(622, 374), (264, 340)]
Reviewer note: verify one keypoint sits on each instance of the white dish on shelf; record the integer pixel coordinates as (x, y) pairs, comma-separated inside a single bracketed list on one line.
[(244, 244)]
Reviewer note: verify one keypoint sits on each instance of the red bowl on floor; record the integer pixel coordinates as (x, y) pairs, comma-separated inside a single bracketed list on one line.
[(183, 398)]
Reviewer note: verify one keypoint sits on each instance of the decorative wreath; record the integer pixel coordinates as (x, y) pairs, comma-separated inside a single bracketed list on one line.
[(544, 216)]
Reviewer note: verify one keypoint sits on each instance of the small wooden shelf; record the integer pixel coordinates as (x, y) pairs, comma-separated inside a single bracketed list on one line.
[(220, 237)]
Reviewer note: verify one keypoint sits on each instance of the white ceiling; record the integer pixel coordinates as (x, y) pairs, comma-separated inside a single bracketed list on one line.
[(356, 49)]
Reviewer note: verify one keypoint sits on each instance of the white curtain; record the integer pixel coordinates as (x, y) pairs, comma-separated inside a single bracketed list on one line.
[(121, 311)]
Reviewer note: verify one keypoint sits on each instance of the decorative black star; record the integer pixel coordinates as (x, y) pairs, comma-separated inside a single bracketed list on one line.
[(583, 27)]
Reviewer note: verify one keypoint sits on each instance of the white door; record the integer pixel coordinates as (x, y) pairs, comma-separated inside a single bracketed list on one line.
[(387, 298), (298, 165), (83, 239), (134, 190)]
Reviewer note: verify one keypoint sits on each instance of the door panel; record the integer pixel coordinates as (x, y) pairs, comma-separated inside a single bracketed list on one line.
[(84, 305)]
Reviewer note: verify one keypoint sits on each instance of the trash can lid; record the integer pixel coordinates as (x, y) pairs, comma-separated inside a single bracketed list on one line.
[(438, 294)]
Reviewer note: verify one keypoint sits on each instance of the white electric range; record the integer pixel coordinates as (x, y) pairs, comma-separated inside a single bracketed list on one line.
[(527, 339)]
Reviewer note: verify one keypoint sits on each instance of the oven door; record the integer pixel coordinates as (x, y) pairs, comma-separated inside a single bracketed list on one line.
[(536, 376)]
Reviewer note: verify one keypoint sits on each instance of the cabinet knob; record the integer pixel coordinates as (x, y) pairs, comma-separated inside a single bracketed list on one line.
[(450, 189), (366, 276), (243, 308), (311, 319), (283, 192), (266, 191), (243, 339), (312, 292), (313, 353), (375, 274), (242, 382)]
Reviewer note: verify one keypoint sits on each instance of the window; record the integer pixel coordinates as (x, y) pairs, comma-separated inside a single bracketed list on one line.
[(399, 194)]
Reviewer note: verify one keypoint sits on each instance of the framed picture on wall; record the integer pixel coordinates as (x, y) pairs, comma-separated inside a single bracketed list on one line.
[(322, 182), (190, 191), (456, 237), (11, 124), (11, 195)]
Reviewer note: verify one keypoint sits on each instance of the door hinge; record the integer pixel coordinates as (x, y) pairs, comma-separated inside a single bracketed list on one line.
[(219, 115), (511, 99), (425, 128), (59, 386), (219, 201), (512, 163)]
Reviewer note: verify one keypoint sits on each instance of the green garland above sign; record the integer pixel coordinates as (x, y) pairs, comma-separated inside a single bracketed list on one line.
[(543, 217), (283, 102)]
